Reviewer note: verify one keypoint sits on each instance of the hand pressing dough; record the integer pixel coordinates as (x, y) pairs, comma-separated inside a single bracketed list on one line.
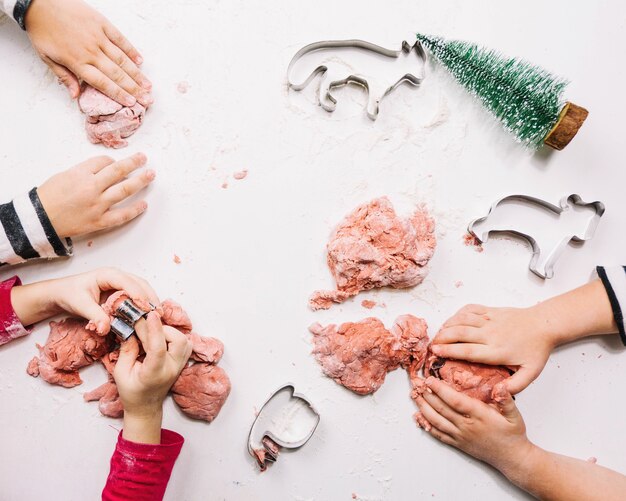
[(201, 389), (373, 247), (108, 122), (359, 355)]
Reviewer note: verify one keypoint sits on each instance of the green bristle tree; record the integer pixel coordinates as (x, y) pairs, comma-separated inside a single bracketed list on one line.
[(527, 99)]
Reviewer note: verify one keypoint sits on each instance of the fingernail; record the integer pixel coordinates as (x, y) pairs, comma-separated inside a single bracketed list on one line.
[(143, 206), (151, 175), (430, 380), (146, 84), (129, 101), (146, 98), (139, 60)]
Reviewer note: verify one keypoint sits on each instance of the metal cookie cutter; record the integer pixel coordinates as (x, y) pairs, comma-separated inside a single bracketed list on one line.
[(564, 204), (125, 318), (287, 420), (405, 62)]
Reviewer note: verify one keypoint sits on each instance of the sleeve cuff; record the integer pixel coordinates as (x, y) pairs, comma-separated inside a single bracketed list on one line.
[(614, 280), (169, 448), (10, 325), (19, 12)]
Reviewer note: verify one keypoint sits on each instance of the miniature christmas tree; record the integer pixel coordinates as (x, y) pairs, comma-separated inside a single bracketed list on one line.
[(526, 98)]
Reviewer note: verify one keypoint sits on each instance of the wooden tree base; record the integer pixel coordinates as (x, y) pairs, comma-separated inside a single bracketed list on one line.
[(570, 120)]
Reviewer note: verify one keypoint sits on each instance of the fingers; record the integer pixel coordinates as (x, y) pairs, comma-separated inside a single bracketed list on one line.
[(504, 402), (466, 318), (435, 419), (118, 217), (441, 408), (97, 79), (127, 188), (457, 401), (179, 345), (441, 436), (96, 164), (465, 351), (129, 351), (152, 337), (113, 279), (66, 77), (121, 78), (117, 171), (520, 380), (148, 290), (88, 308), (118, 56), (459, 334), (116, 37)]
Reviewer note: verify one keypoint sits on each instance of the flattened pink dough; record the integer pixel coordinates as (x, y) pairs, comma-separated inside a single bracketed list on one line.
[(108, 122), (373, 247), (201, 389), (359, 355)]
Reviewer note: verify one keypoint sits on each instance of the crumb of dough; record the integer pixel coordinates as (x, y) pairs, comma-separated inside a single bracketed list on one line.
[(239, 175)]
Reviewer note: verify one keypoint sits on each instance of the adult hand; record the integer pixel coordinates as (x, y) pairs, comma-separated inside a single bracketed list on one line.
[(78, 43)]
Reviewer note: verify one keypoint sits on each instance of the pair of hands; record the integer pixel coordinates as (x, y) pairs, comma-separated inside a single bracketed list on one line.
[(142, 384), (77, 43)]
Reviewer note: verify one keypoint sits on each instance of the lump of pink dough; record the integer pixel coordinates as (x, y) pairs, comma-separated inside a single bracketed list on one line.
[(372, 247), (239, 175), (109, 402), (175, 316), (359, 355), (201, 390), (205, 349), (69, 347), (108, 122), (476, 380)]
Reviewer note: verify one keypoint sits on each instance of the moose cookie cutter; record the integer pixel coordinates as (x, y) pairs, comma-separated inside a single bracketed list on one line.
[(125, 317), (334, 74), (564, 204), (273, 430)]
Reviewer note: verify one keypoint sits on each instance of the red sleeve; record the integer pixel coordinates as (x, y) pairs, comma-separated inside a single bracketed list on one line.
[(10, 326), (141, 471)]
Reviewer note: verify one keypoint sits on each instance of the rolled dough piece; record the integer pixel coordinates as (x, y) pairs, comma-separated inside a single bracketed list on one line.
[(201, 390), (202, 387), (108, 122), (372, 247), (358, 355), (70, 346)]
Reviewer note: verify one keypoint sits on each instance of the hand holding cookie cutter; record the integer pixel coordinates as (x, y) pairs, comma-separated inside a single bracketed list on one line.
[(125, 317)]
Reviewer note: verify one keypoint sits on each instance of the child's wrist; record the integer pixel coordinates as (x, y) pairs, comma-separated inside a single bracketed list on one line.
[(143, 426), (521, 463), (34, 302)]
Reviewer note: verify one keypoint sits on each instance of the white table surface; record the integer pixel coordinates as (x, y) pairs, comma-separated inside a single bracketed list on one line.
[(252, 253)]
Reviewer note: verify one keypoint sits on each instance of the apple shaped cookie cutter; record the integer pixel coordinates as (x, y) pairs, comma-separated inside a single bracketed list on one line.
[(287, 420)]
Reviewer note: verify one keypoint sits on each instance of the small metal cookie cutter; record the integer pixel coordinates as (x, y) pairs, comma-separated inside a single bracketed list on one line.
[(276, 429), (335, 75), (125, 318), (564, 204)]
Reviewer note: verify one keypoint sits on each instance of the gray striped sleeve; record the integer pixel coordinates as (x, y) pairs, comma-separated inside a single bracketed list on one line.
[(614, 281), (15, 9), (27, 233)]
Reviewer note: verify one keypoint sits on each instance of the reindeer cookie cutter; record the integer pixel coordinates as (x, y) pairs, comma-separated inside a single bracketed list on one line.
[(564, 204), (332, 80), (125, 317), (290, 426)]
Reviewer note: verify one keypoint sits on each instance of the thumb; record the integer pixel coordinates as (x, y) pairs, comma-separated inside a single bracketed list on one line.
[(520, 380), (129, 351), (504, 402), (66, 77)]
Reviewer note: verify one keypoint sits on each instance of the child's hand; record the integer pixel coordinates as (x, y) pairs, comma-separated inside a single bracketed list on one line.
[(144, 385), (78, 43), (515, 337), (78, 295), (494, 435), (80, 200)]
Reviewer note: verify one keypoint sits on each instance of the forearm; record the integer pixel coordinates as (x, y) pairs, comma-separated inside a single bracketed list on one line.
[(582, 312), (34, 302), (550, 476)]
